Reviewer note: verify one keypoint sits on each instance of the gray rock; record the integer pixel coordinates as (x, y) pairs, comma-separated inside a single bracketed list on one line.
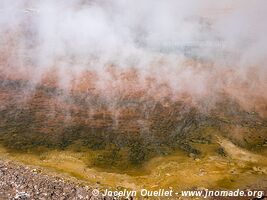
[(21, 182)]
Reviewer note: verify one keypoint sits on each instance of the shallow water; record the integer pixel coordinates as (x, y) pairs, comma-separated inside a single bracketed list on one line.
[(177, 171)]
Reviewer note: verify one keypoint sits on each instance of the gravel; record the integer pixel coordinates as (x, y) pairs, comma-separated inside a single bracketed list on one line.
[(22, 182)]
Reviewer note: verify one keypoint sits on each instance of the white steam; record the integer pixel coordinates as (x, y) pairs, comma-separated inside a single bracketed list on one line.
[(194, 47)]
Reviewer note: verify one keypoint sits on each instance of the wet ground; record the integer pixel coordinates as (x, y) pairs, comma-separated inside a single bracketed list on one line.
[(139, 143)]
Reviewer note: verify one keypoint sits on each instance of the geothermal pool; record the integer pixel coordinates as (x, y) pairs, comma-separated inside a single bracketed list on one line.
[(134, 94)]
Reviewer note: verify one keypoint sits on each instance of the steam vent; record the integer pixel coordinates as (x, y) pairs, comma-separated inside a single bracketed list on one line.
[(133, 99)]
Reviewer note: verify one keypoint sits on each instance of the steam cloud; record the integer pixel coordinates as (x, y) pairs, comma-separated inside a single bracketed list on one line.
[(166, 48)]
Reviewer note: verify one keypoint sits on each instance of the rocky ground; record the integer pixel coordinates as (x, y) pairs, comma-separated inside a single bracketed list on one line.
[(21, 182)]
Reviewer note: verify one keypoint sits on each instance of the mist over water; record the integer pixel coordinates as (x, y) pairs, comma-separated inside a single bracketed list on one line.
[(126, 81), (175, 49)]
